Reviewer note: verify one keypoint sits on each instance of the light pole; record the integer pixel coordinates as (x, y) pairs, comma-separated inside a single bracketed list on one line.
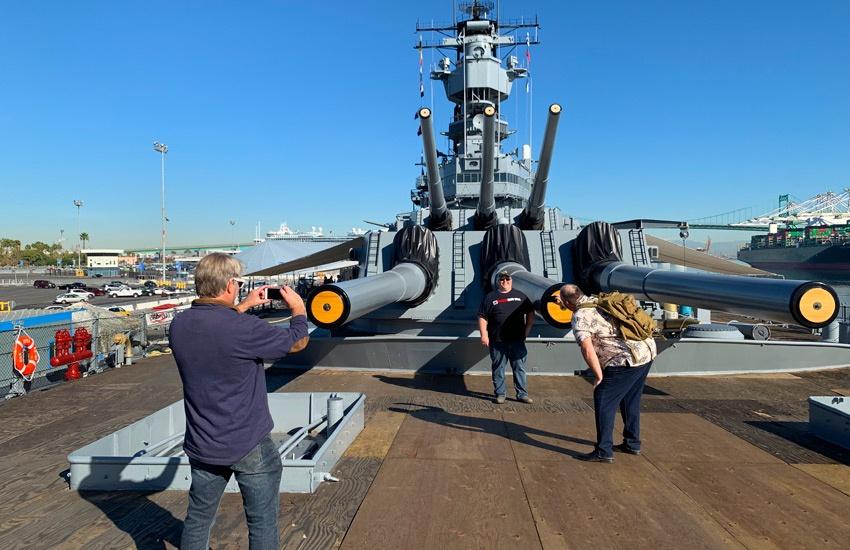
[(233, 234), (78, 204), (162, 149)]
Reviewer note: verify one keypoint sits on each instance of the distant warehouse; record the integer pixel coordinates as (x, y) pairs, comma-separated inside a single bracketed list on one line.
[(102, 261)]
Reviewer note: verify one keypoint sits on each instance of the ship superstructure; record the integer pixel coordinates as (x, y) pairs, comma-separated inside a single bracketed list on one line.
[(478, 69)]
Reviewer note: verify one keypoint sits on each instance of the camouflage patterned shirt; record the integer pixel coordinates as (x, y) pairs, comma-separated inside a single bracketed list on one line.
[(610, 347)]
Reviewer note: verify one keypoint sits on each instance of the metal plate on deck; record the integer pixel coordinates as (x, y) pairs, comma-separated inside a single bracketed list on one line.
[(829, 419), (147, 455)]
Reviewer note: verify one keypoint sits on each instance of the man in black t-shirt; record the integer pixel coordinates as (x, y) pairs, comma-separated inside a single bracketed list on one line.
[(504, 320)]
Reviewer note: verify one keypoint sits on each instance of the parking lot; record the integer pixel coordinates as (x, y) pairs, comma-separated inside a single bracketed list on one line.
[(30, 297)]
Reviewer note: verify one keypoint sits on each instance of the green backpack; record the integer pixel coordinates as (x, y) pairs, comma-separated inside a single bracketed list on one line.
[(635, 323)]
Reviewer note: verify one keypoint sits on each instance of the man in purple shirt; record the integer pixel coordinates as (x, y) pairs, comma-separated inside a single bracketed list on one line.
[(220, 353)]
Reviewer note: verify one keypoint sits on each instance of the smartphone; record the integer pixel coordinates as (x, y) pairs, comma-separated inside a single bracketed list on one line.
[(274, 293)]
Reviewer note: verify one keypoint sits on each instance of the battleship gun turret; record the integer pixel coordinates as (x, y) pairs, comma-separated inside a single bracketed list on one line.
[(411, 280), (532, 216), (419, 282), (599, 267)]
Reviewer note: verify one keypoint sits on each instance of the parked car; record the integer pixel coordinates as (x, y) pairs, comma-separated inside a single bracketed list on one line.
[(41, 283), (125, 291), (150, 284), (114, 285), (72, 286), (72, 297), (119, 310), (96, 291)]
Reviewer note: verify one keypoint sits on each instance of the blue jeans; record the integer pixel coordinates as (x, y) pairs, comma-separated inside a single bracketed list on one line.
[(620, 387), (258, 475), (500, 354)]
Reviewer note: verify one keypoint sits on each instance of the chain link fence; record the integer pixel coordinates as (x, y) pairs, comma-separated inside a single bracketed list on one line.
[(106, 332)]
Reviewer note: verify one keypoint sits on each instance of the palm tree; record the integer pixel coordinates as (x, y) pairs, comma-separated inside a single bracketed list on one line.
[(84, 237)]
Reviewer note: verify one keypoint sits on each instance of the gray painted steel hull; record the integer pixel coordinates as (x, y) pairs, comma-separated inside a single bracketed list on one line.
[(561, 356)]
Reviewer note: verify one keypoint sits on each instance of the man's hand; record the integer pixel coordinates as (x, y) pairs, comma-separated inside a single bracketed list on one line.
[(598, 380), (293, 301), (256, 297), (485, 340)]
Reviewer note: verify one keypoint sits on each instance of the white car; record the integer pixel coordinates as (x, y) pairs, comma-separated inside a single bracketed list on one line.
[(125, 291), (73, 297), (109, 287)]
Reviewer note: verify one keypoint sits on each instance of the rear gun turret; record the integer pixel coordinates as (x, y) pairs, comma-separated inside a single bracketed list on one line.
[(532, 216)]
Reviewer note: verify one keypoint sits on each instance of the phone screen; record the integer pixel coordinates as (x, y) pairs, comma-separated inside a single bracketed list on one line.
[(274, 294)]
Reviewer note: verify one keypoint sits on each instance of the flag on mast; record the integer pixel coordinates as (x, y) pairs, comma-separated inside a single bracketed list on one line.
[(421, 82)]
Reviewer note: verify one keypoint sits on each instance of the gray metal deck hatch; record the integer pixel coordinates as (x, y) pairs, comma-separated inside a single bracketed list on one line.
[(147, 455)]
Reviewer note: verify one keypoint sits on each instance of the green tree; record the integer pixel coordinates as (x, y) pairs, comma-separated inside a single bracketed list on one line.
[(84, 237)]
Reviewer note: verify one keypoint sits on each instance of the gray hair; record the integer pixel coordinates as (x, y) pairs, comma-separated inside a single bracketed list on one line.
[(571, 294), (213, 273)]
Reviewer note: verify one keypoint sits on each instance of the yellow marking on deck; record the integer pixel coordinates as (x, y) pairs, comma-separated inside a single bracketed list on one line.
[(377, 436)]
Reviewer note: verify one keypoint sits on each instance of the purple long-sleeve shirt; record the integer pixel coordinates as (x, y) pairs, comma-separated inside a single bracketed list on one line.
[(220, 354)]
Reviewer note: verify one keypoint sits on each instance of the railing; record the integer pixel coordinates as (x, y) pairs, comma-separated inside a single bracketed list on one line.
[(102, 329)]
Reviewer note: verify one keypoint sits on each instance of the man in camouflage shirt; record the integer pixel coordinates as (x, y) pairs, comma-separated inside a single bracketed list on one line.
[(620, 385)]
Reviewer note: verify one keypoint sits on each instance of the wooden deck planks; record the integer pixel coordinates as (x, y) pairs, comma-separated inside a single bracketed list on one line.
[(429, 434), (625, 505), (720, 450), (767, 505), (546, 437), (687, 438), (444, 504)]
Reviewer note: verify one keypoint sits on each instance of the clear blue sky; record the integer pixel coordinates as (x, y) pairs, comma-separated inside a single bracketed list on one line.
[(303, 111)]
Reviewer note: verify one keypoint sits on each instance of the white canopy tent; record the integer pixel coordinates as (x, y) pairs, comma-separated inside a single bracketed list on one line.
[(275, 257)]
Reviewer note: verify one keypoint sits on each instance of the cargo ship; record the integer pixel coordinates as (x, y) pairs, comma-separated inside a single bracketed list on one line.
[(814, 252)]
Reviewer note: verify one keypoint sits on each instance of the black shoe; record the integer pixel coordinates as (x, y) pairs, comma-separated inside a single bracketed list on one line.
[(593, 456), (623, 448)]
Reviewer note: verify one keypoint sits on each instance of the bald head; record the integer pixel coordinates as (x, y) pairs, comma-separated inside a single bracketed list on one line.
[(570, 295)]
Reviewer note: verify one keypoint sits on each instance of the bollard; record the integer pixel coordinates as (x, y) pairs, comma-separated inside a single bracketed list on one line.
[(335, 412), (829, 333)]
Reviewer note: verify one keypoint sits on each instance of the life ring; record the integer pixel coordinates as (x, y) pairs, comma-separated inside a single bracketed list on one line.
[(25, 364)]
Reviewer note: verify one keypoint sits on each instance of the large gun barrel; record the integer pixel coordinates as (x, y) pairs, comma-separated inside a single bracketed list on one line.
[(440, 217), (333, 305), (806, 303), (541, 291), (532, 216), (485, 215), (411, 280)]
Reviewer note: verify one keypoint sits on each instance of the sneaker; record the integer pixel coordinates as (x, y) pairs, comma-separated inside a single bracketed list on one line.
[(500, 399), (525, 399), (623, 448), (592, 456)]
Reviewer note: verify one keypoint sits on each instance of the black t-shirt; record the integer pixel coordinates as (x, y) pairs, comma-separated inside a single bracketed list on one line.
[(505, 314)]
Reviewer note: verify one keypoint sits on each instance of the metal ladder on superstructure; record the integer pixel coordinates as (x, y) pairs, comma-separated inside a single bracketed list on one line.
[(458, 271), (372, 258), (637, 245), (550, 258)]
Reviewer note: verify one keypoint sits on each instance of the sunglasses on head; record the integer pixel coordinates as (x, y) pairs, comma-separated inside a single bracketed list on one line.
[(504, 278)]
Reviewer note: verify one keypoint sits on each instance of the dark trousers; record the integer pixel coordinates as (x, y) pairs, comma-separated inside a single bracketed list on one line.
[(620, 387), (500, 354), (258, 475)]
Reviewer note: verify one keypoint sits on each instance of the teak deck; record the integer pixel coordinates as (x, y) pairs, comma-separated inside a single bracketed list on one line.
[(727, 463)]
